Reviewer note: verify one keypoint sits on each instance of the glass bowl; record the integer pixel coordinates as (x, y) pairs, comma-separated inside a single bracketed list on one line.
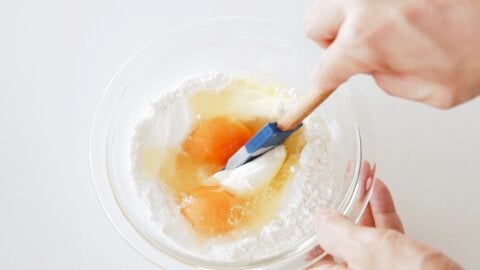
[(255, 49)]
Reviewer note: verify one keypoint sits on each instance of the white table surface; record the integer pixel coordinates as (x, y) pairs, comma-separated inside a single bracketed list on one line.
[(56, 58)]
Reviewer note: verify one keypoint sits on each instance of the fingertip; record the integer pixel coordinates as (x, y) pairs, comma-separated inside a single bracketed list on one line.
[(338, 235), (310, 11), (335, 68), (323, 216), (383, 208), (330, 224), (379, 184), (323, 224), (322, 227), (328, 265), (382, 198), (309, 29)]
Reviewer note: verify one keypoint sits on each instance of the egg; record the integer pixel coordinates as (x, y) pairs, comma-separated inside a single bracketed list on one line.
[(219, 123), (215, 140), (211, 209), (255, 174)]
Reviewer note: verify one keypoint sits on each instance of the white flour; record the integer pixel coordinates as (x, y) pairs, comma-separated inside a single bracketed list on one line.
[(309, 191)]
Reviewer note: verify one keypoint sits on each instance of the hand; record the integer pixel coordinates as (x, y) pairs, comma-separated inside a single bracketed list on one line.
[(428, 51), (378, 244)]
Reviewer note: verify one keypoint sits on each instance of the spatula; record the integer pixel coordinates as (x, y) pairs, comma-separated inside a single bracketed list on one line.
[(275, 133)]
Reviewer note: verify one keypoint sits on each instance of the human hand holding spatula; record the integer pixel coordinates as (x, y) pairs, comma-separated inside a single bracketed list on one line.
[(275, 133)]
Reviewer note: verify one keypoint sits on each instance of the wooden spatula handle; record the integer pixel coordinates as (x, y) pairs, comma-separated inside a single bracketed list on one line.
[(302, 109)]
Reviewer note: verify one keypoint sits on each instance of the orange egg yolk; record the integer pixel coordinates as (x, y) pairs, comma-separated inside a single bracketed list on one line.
[(216, 140), (211, 209)]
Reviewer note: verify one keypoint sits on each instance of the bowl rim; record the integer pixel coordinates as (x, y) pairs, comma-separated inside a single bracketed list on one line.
[(99, 153)]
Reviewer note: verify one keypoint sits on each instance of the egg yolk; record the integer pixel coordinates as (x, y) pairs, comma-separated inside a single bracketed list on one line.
[(211, 209), (216, 140)]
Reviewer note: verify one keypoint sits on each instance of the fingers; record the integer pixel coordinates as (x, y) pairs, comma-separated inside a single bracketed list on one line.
[(383, 208), (359, 246), (323, 20), (329, 265), (336, 66), (339, 237), (325, 263), (416, 89), (367, 218), (380, 212), (323, 23), (372, 248)]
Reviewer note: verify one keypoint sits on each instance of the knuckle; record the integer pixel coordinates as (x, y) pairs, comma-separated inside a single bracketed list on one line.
[(413, 13), (368, 28), (372, 236), (388, 84), (310, 30), (434, 259), (390, 238), (313, 18), (365, 238), (374, 34), (446, 97), (442, 104)]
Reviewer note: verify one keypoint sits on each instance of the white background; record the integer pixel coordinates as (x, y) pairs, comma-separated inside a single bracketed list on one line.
[(56, 58)]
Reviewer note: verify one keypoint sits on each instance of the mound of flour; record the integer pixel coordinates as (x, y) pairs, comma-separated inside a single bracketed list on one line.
[(305, 194)]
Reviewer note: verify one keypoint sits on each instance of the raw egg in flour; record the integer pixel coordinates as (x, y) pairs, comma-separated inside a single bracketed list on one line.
[(216, 140), (224, 202), (211, 209)]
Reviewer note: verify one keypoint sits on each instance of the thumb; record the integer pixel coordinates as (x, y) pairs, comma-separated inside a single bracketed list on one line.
[(336, 66), (370, 248), (365, 247), (340, 237)]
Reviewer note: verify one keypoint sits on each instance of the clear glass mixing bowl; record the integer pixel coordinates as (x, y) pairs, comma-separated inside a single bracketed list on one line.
[(257, 50)]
